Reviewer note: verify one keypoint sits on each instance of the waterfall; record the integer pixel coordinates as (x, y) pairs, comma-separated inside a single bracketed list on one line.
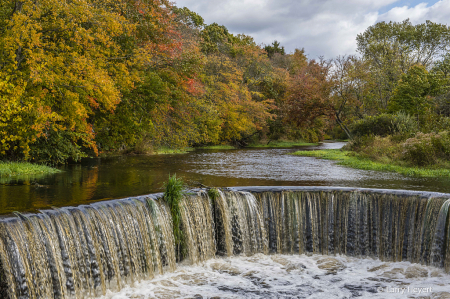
[(80, 252)]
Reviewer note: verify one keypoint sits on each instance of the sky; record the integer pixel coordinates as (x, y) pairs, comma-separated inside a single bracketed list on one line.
[(325, 28)]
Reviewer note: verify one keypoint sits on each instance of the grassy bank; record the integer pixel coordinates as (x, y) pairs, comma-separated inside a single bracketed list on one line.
[(24, 168), (167, 150), (351, 159), (217, 147), (265, 144), (282, 143), (149, 151)]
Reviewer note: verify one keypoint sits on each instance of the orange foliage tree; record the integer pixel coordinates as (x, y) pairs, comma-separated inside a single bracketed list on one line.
[(308, 98)]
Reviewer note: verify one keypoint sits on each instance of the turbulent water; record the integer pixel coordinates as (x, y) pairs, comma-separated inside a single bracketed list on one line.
[(235, 245), (293, 276)]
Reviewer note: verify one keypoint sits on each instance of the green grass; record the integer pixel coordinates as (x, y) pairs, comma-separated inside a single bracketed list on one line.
[(167, 150), (350, 159), (217, 147), (8, 169), (174, 191), (283, 143)]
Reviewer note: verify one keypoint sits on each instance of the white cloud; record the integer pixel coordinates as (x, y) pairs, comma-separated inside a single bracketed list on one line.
[(438, 13), (323, 27)]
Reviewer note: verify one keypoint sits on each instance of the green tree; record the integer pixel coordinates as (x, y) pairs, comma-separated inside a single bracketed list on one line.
[(393, 48), (274, 49), (415, 90)]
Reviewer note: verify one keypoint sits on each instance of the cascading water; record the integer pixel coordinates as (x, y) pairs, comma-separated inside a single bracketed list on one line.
[(81, 252)]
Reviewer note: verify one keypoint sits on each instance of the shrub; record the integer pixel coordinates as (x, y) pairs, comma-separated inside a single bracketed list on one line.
[(384, 125), (426, 149), (57, 147), (312, 135), (376, 148), (441, 124), (359, 142)]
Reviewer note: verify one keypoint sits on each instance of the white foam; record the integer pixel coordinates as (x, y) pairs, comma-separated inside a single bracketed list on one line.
[(292, 276)]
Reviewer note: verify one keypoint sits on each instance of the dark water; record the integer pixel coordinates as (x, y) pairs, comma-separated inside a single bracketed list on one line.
[(100, 179)]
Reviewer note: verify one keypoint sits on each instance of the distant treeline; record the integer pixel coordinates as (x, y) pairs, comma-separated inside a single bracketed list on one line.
[(77, 78)]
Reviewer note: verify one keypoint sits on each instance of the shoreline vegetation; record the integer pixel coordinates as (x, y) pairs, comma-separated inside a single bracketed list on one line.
[(354, 160), (169, 151), (282, 143), (8, 169)]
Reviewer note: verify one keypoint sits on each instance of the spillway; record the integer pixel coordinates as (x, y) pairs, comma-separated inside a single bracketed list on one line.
[(89, 250)]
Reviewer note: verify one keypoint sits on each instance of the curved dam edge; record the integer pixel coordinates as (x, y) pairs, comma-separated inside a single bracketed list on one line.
[(261, 189), (398, 192)]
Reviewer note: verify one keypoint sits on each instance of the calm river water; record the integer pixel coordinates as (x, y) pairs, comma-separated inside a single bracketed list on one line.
[(125, 176)]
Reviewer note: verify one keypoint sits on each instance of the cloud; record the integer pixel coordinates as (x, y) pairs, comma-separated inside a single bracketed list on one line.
[(438, 13), (323, 27)]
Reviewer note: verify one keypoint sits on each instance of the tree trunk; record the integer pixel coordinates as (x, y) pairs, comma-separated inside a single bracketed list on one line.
[(343, 127)]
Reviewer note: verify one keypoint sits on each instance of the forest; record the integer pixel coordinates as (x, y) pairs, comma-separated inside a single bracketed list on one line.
[(85, 77)]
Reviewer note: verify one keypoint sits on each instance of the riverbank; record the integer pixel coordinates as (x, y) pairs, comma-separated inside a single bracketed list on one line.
[(281, 143), (167, 150), (264, 144), (353, 160), (217, 147), (24, 168)]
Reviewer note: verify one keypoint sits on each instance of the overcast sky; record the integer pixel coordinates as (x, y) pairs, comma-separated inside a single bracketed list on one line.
[(323, 27)]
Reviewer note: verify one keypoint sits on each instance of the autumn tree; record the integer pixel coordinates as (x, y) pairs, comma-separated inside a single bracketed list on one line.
[(236, 80), (163, 106), (59, 64), (308, 100)]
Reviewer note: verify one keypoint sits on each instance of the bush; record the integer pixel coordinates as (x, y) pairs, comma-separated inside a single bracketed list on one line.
[(427, 149), (376, 148), (359, 142), (58, 147), (384, 125), (441, 124)]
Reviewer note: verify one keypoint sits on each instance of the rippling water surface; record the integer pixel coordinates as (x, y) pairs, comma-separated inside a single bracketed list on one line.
[(117, 177)]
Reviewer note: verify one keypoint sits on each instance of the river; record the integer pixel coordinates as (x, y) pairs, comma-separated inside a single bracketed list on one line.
[(124, 176)]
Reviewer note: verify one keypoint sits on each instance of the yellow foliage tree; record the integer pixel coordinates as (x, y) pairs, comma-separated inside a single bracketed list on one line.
[(58, 65)]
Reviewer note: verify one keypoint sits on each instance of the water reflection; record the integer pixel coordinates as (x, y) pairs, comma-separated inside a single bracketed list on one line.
[(99, 179)]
